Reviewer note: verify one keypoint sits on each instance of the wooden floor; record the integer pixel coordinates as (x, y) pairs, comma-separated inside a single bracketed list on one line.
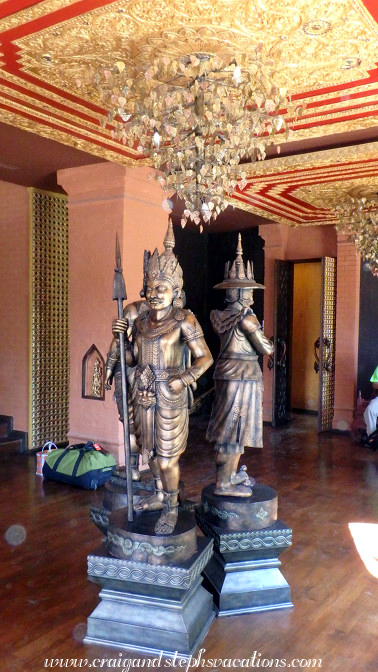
[(323, 481)]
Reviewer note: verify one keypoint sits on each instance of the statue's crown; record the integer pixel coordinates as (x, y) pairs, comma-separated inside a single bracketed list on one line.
[(238, 275), (164, 266)]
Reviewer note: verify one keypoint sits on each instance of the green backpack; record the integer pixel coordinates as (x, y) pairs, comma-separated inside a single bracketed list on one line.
[(84, 465)]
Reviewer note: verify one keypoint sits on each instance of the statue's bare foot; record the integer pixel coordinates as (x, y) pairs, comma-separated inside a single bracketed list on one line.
[(231, 490), (167, 522), (152, 503), (242, 477)]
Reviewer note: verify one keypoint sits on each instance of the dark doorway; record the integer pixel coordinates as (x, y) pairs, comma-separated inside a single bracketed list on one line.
[(203, 258)]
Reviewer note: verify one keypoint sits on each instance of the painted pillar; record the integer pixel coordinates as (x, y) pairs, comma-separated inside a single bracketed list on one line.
[(104, 199), (347, 324), (275, 237), (14, 305)]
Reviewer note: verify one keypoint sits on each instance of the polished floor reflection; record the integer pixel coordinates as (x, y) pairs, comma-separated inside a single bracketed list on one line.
[(324, 482)]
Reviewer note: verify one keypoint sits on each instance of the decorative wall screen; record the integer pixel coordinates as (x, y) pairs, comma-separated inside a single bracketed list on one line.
[(283, 299), (49, 319), (327, 345)]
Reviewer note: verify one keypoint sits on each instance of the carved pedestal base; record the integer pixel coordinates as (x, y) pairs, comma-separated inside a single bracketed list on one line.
[(243, 575), (151, 608), (138, 541), (115, 497)]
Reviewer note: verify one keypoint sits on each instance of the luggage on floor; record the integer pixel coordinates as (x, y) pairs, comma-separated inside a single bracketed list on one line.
[(84, 465), (41, 456)]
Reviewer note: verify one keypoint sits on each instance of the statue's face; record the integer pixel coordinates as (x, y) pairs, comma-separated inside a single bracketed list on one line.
[(246, 297), (159, 294)]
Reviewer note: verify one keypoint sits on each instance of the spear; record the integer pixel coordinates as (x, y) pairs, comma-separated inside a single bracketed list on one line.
[(119, 295)]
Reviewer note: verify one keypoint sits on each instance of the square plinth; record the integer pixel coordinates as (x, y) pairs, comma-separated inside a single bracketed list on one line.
[(243, 575), (151, 609)]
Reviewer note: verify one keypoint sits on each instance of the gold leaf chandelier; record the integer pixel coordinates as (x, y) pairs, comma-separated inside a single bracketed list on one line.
[(358, 218), (195, 118)]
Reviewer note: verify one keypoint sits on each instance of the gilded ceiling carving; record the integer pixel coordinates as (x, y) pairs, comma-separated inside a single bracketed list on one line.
[(356, 153), (36, 11), (303, 189), (328, 195), (315, 44)]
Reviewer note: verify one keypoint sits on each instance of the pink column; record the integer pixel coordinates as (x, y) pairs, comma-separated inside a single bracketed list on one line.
[(275, 237), (347, 323), (104, 199), (14, 304)]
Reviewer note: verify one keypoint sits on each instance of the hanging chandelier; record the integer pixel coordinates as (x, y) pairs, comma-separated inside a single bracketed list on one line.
[(195, 118), (358, 218)]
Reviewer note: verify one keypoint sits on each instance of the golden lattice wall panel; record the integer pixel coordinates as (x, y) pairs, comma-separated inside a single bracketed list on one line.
[(49, 319)]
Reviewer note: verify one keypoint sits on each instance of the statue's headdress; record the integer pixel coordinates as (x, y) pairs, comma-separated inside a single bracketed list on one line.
[(237, 275), (164, 266)]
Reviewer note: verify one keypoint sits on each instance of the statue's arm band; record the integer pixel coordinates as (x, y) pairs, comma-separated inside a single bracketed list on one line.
[(193, 336)]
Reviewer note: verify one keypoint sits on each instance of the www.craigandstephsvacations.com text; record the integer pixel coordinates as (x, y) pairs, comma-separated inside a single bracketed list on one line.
[(178, 662)]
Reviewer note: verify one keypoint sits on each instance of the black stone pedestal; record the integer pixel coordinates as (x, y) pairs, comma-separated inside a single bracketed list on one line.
[(147, 604), (243, 575)]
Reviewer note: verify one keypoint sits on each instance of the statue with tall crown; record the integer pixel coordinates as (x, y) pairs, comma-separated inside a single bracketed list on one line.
[(150, 569), (236, 419), (167, 352)]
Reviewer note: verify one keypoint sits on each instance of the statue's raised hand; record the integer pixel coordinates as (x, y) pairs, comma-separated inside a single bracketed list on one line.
[(121, 326)]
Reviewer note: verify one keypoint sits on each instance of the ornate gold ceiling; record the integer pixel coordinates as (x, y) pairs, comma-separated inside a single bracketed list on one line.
[(324, 51), (302, 190)]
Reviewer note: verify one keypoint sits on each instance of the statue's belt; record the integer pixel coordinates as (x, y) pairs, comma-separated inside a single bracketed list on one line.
[(145, 379), (238, 355), (152, 375)]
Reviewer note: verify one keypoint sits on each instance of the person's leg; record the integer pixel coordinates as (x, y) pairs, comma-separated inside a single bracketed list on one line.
[(371, 415)]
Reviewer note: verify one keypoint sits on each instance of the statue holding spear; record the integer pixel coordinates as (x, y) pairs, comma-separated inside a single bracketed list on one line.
[(119, 295), (162, 334)]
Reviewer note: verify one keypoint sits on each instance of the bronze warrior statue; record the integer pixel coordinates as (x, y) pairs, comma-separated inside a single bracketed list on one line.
[(113, 372), (236, 418), (163, 339)]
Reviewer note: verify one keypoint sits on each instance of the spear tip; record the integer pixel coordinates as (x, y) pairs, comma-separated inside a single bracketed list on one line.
[(119, 288), (117, 253)]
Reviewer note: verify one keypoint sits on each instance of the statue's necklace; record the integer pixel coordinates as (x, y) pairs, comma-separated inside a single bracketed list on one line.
[(154, 329)]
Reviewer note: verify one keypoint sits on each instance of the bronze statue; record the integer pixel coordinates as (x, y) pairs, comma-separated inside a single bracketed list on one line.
[(162, 339), (113, 372), (236, 418)]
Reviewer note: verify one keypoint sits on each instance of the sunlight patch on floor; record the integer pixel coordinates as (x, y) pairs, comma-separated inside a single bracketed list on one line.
[(365, 536)]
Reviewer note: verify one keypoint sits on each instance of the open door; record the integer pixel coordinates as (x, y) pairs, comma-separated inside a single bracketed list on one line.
[(283, 297), (325, 345)]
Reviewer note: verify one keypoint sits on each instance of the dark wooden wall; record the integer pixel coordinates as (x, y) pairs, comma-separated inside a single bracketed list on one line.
[(203, 257), (368, 334)]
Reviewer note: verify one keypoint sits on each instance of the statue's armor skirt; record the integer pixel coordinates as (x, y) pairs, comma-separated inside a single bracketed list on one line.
[(236, 417), (162, 429)]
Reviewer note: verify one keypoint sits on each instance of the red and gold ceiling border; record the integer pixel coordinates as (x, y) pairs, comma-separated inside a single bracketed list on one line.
[(327, 57), (302, 190)]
